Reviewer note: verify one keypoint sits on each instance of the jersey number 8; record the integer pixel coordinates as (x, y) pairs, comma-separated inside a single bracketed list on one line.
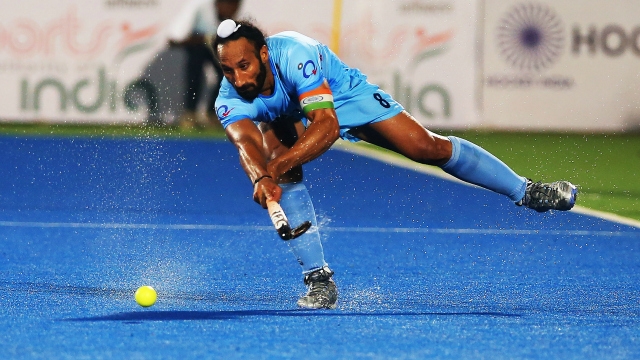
[(384, 103)]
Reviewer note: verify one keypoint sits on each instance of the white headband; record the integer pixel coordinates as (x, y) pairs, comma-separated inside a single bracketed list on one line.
[(227, 28)]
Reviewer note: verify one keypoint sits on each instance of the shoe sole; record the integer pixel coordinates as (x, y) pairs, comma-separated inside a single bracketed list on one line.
[(329, 307), (574, 196)]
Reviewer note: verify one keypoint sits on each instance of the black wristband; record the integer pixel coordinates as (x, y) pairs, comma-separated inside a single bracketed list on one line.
[(260, 178)]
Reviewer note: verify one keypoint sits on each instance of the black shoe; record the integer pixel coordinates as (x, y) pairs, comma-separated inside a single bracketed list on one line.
[(558, 195), (322, 292)]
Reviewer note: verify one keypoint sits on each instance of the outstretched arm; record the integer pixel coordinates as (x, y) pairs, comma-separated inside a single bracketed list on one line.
[(248, 140)]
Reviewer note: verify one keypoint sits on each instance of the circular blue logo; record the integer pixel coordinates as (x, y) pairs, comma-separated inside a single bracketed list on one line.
[(309, 69), (531, 36)]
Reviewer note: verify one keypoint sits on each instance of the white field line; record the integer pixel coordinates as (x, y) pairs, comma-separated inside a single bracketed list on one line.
[(435, 171), (390, 159), (212, 227)]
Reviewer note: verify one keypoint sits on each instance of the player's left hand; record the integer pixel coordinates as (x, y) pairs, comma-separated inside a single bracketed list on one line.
[(266, 189)]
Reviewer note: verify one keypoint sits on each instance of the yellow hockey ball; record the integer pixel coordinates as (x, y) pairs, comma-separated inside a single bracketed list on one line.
[(146, 296)]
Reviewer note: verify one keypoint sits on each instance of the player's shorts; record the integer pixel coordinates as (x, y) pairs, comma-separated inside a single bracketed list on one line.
[(362, 103)]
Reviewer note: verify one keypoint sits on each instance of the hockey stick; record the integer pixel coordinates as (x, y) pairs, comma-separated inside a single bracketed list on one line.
[(281, 222)]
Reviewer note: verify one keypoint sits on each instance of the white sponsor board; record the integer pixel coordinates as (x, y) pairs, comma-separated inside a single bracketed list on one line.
[(561, 65), (79, 61), (88, 61), (420, 51), (544, 64)]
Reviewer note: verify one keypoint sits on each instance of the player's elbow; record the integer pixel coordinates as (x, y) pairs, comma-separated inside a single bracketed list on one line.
[(334, 130), (327, 120), (333, 127)]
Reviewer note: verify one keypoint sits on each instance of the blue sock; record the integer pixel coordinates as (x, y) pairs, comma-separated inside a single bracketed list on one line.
[(475, 165), (298, 207)]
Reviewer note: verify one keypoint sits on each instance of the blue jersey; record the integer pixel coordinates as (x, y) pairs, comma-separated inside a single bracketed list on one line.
[(300, 66)]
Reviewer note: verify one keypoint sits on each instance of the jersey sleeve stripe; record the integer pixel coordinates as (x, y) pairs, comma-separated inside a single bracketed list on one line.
[(321, 90), (315, 85), (318, 98), (232, 119), (318, 105)]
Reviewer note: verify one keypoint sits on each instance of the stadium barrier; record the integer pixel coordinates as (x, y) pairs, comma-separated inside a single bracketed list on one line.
[(499, 64)]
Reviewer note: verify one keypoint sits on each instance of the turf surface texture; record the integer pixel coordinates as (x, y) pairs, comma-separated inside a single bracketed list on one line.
[(426, 268)]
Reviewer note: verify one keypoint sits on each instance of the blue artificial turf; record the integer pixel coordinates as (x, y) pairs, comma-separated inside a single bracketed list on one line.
[(426, 268)]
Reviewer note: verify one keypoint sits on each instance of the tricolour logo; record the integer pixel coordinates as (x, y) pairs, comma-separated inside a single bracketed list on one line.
[(313, 99)]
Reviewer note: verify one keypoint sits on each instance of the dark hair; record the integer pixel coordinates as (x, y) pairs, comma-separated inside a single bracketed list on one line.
[(247, 30)]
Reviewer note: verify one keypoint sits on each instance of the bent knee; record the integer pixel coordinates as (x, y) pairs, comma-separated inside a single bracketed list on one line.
[(436, 151)]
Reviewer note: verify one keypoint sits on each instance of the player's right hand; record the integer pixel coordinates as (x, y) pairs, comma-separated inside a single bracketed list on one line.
[(266, 189)]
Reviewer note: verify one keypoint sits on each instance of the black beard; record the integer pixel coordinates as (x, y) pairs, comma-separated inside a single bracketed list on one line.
[(250, 92)]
